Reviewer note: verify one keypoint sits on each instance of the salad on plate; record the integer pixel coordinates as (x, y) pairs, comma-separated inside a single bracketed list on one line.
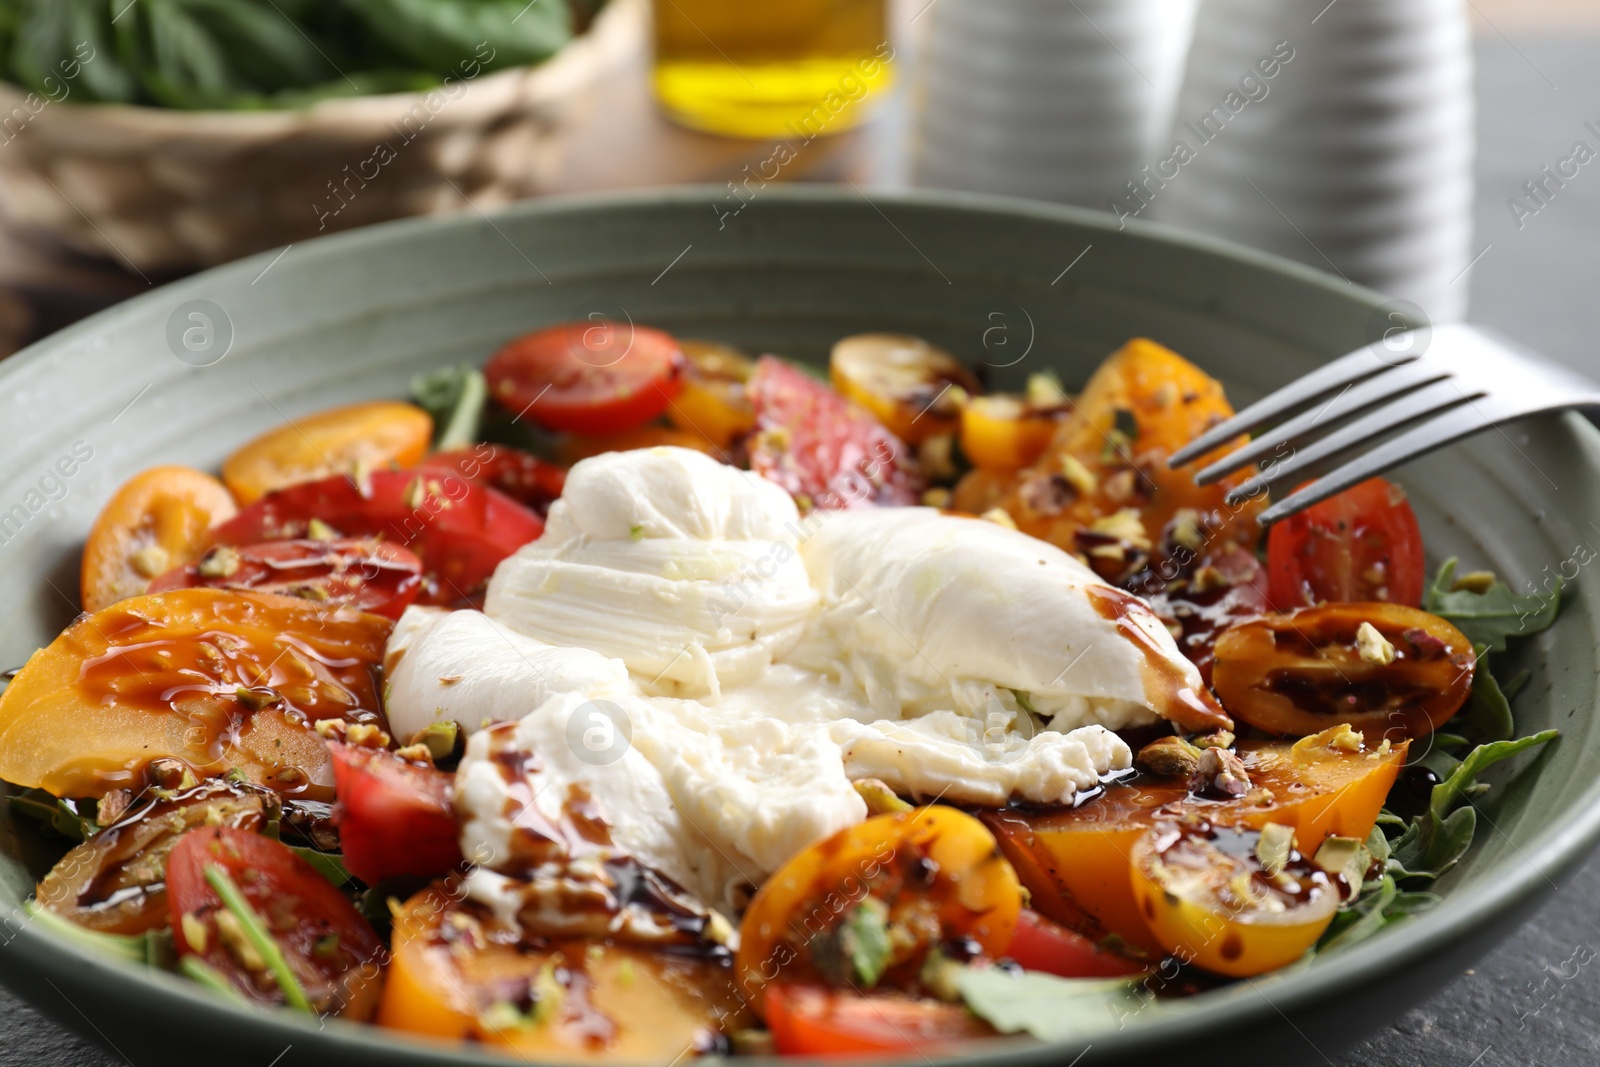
[(632, 698)]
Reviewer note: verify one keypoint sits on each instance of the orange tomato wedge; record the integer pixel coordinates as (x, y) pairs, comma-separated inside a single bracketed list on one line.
[(591, 999), (341, 441), (1075, 861), (217, 679), (1004, 434), (934, 870), (714, 404), (157, 520)]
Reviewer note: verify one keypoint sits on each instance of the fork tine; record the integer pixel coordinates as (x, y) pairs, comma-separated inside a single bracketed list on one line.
[(1424, 401), (1460, 421), (1362, 363), (1352, 399)]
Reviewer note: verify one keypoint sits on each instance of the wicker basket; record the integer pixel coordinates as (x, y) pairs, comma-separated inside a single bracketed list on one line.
[(163, 191)]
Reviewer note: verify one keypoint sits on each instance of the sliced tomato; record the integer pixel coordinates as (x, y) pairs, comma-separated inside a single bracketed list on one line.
[(1302, 672), (914, 388), (366, 574), (1363, 544), (1212, 898), (328, 948), (813, 1021), (216, 678), (589, 377), (1206, 598), (156, 521), (344, 440), (1042, 945), (460, 529), (826, 451), (394, 817), (714, 403), (530, 481), (574, 448)]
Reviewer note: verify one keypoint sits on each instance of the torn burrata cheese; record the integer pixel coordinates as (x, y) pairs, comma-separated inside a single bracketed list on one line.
[(706, 674)]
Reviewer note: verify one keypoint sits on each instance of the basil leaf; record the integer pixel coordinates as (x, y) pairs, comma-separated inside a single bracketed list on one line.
[(443, 35), (1049, 1008), (1489, 618)]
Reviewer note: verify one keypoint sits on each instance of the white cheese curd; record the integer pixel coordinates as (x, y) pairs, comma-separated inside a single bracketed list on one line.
[(762, 664), (684, 568), (464, 666), (925, 611)]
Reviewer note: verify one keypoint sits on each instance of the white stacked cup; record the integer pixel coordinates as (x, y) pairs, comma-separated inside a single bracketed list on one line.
[(1051, 99), (1355, 157)]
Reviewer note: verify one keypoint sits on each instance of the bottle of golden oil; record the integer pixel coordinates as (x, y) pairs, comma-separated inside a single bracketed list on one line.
[(795, 69)]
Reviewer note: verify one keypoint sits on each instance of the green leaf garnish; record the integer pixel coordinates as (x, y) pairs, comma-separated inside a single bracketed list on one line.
[(1490, 617), (202, 973), (133, 949), (455, 397), (59, 815), (255, 931), (328, 864), (1049, 1008), (855, 952)]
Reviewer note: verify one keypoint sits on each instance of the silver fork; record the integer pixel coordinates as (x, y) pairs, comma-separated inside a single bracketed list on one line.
[(1403, 396)]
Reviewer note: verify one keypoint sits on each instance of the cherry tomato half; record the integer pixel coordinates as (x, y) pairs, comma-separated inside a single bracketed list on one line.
[(587, 377), (826, 451), (714, 403), (1212, 901), (812, 1021), (394, 817), (326, 945), (525, 478), (1363, 544), (1300, 673), (157, 520), (365, 574), (460, 529)]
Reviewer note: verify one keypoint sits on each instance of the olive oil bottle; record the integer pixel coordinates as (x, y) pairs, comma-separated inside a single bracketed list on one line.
[(795, 69)]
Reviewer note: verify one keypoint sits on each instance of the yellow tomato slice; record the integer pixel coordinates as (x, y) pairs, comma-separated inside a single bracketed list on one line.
[(159, 519), (214, 678), (1003, 434), (1075, 861), (935, 871), (713, 403), (341, 441), (454, 975), (915, 389), (1213, 900)]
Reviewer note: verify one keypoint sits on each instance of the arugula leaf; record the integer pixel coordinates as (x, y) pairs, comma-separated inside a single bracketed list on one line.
[(441, 35), (857, 950), (455, 397), (58, 815), (1487, 715), (1488, 618), (328, 864), (1049, 1008), (126, 947)]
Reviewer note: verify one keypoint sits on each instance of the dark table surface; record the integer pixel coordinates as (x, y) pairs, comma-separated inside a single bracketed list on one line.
[(1536, 999)]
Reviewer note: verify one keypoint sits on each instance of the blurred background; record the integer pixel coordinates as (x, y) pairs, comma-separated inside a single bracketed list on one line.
[(1433, 149)]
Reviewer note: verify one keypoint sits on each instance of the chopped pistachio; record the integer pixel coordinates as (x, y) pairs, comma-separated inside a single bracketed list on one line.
[(1124, 525), (258, 697), (439, 737), (719, 931), (1169, 757), (1165, 396), (1000, 517), (1208, 579), (150, 561), (1220, 773), (625, 973), (325, 946), (414, 494), (1078, 476), (231, 931), (936, 457), (1344, 855), (936, 498), (1044, 390), (1274, 846), (415, 753), (1345, 739), (636, 532), (881, 800), (318, 530), (1218, 738), (331, 729), (1186, 530), (1474, 582), (1120, 487), (940, 978), (1373, 646), (366, 735), (221, 561), (753, 1042), (195, 933), (550, 993)]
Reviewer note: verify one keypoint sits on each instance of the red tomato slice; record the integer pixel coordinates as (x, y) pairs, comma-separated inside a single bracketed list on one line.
[(366, 574), (394, 817), (588, 377), (460, 529), (813, 1021), (326, 944), (530, 481), (1042, 945), (1362, 545), (828, 452)]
